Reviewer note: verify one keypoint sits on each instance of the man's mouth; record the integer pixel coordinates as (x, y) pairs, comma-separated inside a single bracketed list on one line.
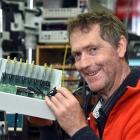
[(92, 73)]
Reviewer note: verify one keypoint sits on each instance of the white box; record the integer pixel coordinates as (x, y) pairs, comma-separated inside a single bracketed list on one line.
[(25, 105)]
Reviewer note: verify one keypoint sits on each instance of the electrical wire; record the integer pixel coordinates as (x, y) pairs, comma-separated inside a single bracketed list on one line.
[(64, 63), (15, 125)]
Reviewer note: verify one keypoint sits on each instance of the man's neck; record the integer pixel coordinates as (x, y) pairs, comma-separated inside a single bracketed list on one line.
[(109, 92)]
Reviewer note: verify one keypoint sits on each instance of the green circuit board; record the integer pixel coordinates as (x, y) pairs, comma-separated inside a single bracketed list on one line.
[(26, 79)]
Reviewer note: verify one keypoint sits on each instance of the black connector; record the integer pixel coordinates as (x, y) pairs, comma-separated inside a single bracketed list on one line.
[(52, 92)]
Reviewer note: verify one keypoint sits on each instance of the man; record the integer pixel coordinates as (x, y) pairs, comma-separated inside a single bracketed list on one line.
[(99, 45)]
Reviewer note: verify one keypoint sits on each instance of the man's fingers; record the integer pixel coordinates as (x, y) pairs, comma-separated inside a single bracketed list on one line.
[(55, 105), (61, 98), (65, 92), (50, 104), (57, 100)]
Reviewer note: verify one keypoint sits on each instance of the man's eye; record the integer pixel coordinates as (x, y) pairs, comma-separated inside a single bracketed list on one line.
[(77, 56), (92, 50)]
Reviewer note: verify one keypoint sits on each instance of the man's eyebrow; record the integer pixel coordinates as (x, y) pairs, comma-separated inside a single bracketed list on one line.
[(74, 52), (77, 50), (83, 48), (89, 46)]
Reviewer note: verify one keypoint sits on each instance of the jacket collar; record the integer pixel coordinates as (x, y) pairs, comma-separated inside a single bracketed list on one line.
[(131, 80)]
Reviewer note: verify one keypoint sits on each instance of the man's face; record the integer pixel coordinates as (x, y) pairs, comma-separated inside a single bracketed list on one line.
[(96, 59)]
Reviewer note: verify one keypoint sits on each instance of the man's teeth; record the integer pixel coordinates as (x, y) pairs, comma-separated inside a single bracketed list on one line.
[(93, 73)]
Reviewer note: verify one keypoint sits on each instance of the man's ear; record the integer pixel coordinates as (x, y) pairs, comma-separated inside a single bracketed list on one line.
[(122, 46)]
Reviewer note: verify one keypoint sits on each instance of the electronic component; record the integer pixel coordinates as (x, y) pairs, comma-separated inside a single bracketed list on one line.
[(61, 13), (23, 87), (53, 31), (10, 119), (53, 28), (134, 49)]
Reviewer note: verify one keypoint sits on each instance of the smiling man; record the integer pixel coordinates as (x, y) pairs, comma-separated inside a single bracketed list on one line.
[(99, 46)]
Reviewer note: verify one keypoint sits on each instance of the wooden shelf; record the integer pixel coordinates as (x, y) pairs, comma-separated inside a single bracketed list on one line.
[(51, 54), (65, 67)]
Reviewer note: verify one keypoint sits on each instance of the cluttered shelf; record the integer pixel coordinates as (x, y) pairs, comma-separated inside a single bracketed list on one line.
[(59, 57), (52, 54)]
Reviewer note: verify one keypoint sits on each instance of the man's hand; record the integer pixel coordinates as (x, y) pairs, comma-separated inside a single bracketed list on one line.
[(67, 110)]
